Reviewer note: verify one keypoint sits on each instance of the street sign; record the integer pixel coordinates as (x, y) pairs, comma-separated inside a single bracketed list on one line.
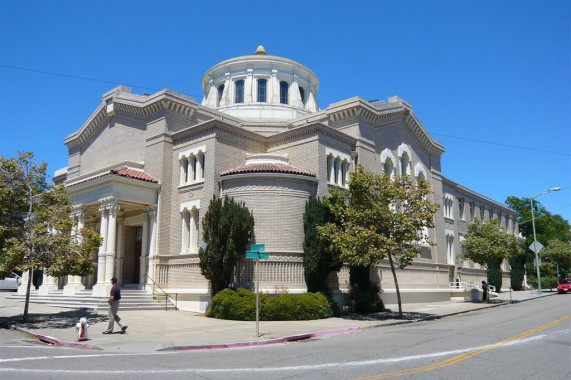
[(257, 255), (258, 247), (536, 246)]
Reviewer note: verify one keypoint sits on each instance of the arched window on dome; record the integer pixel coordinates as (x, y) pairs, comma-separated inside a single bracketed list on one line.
[(283, 92), (262, 85), (220, 93), (302, 95), (239, 97)]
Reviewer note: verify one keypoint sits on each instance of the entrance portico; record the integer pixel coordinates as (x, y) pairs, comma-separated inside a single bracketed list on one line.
[(118, 203)]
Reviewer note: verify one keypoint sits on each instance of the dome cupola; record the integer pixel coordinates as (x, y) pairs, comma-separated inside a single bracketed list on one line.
[(261, 87)]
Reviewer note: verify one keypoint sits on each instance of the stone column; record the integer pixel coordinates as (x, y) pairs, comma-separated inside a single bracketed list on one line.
[(120, 250), (153, 243), (312, 103), (249, 84), (24, 285), (225, 100), (144, 250), (74, 284), (113, 207), (49, 284), (294, 93), (212, 97), (274, 88), (99, 287)]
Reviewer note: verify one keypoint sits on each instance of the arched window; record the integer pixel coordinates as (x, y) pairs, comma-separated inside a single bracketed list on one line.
[(190, 226), (302, 95), (388, 167), (262, 83), (239, 98), (330, 168), (405, 164), (283, 92), (220, 93)]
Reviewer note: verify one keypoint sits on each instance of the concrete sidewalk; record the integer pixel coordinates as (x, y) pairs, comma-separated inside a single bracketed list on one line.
[(178, 330)]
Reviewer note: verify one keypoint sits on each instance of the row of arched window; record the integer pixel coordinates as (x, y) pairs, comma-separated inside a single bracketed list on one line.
[(389, 161), (262, 92), (192, 164)]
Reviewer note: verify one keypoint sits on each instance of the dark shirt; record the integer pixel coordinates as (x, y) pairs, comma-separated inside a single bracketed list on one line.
[(116, 292)]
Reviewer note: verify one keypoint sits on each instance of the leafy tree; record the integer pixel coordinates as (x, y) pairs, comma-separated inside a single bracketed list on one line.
[(379, 217), (558, 253), (548, 227), (318, 259), (36, 227), (227, 229), (486, 244)]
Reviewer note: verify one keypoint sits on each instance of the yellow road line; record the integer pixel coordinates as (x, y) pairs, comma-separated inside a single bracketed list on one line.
[(459, 358)]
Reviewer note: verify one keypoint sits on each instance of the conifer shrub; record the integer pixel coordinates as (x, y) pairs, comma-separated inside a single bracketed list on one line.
[(495, 275), (241, 305)]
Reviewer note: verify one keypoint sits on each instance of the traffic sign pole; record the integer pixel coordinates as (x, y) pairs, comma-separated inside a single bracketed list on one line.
[(256, 254), (257, 300)]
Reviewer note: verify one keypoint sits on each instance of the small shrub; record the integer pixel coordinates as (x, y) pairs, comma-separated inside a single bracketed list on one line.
[(241, 305)]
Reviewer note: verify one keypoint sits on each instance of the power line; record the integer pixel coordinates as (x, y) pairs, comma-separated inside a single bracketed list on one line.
[(197, 96), (500, 144), (77, 77)]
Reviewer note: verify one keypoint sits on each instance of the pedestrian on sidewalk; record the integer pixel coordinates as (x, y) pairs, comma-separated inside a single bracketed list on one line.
[(484, 291), (113, 301)]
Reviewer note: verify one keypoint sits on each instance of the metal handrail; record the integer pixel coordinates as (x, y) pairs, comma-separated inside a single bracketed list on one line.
[(165, 293), (470, 285)]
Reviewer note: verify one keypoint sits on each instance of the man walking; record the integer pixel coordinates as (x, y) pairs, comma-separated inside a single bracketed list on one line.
[(113, 301)]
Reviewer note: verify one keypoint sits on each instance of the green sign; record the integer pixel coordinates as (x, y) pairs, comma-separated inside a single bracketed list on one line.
[(257, 255), (258, 247)]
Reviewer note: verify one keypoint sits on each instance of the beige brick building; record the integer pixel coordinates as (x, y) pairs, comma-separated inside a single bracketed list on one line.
[(143, 168)]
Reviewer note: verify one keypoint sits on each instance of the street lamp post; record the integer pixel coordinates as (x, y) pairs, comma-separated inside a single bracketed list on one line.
[(534, 238)]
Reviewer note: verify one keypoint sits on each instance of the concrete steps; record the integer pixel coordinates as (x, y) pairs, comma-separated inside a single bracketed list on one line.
[(131, 299)]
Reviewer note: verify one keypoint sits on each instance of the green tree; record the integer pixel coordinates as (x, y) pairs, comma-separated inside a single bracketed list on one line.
[(486, 244), (558, 254), (36, 228), (548, 227), (227, 229), (318, 260), (379, 217)]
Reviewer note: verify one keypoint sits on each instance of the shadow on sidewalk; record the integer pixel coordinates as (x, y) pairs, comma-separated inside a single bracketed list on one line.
[(61, 320)]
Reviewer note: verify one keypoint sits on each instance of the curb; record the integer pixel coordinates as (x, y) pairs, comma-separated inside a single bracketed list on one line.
[(286, 339)]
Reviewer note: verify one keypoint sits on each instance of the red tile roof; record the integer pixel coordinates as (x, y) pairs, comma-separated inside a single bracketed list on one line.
[(132, 173), (123, 172), (267, 168)]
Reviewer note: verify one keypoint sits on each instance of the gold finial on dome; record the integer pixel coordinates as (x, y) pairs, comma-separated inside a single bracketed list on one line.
[(260, 50)]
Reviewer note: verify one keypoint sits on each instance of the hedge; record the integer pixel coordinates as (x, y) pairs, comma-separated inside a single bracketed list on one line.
[(241, 305)]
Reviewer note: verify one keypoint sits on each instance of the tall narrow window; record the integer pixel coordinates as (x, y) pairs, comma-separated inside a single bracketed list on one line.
[(405, 164), (302, 95), (283, 92), (388, 167), (239, 98), (220, 93), (262, 83), (330, 168)]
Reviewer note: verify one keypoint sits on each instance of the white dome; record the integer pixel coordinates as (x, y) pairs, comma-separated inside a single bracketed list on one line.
[(261, 87)]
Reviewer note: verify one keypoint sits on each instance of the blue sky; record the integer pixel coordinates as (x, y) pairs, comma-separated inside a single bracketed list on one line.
[(491, 80)]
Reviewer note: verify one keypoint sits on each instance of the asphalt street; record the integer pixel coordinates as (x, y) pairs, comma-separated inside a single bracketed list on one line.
[(514, 341)]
